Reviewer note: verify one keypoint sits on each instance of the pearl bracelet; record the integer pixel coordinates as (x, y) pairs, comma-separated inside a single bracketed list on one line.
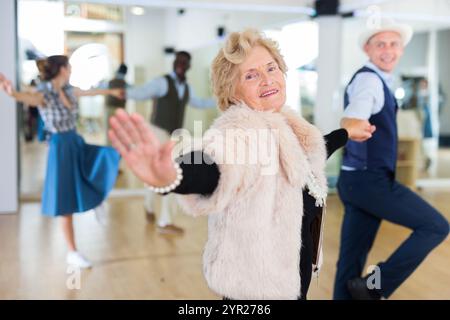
[(173, 185)]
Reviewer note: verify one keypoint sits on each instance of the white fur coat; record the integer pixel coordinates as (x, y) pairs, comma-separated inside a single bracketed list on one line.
[(255, 213)]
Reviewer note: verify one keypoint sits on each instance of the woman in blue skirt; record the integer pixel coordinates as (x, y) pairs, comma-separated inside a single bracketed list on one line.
[(79, 176)]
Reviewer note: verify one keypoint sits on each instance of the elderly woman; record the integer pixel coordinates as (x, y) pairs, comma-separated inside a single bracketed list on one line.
[(262, 211)]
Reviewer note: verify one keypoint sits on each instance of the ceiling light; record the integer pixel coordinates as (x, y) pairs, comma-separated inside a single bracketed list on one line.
[(138, 11)]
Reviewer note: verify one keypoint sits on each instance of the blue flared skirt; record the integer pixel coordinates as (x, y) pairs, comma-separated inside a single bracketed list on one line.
[(79, 175)]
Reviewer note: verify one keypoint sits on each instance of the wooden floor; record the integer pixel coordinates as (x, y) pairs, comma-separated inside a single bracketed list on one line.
[(132, 261)]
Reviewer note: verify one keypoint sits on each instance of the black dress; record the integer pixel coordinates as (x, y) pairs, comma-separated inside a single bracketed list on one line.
[(203, 178)]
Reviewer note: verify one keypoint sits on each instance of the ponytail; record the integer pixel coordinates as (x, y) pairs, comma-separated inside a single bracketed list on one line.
[(49, 68)]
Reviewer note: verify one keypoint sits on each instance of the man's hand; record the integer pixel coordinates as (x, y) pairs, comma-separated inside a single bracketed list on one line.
[(358, 130), (118, 93)]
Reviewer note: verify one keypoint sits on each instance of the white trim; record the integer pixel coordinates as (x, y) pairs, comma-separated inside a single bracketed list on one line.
[(360, 5), (444, 20), (88, 25), (212, 5)]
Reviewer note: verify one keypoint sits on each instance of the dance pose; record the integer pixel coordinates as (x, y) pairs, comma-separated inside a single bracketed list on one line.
[(367, 184), (79, 176), (261, 241)]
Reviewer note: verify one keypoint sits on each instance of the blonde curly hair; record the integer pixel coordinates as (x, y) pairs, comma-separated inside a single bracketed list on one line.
[(224, 70)]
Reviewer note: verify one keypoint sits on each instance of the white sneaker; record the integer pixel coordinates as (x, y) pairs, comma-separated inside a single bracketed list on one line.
[(74, 258)]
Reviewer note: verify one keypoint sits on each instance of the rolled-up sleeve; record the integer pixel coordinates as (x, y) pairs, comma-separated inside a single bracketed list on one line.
[(366, 96)]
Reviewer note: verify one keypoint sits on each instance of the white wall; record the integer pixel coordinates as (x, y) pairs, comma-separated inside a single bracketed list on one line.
[(143, 51), (414, 60), (199, 76), (352, 56), (8, 119), (197, 28), (40, 27), (144, 42), (44, 22), (328, 108)]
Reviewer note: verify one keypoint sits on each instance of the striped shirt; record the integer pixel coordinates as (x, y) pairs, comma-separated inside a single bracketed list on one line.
[(56, 116)]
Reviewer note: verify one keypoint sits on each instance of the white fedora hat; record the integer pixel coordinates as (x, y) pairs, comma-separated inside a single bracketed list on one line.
[(405, 31)]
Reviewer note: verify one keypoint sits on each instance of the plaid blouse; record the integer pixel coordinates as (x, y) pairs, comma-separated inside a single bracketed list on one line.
[(56, 116)]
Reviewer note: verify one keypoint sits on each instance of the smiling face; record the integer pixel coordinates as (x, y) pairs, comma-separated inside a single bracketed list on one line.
[(261, 84), (384, 50)]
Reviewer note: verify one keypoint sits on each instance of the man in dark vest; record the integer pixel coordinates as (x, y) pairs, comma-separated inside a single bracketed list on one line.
[(171, 94), (367, 185)]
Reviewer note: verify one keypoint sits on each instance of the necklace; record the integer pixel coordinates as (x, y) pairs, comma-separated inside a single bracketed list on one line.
[(315, 190)]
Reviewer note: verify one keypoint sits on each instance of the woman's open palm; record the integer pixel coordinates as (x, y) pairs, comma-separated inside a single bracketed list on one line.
[(149, 160)]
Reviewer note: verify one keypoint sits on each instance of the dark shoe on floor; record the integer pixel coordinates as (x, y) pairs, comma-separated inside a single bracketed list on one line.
[(359, 291)]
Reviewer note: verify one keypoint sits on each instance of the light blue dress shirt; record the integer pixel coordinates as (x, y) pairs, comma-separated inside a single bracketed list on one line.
[(365, 93), (159, 87)]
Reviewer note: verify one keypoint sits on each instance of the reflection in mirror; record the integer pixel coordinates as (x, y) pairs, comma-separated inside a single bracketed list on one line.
[(99, 37)]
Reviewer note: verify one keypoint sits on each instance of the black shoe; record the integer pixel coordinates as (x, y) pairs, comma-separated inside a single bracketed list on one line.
[(359, 291)]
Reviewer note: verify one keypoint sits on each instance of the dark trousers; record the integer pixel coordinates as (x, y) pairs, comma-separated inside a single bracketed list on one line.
[(369, 197)]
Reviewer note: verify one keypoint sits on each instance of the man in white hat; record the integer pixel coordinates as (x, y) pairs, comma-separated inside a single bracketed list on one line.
[(367, 185)]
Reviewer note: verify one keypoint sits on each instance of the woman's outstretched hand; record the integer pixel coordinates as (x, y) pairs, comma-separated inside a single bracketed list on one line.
[(6, 85), (118, 93), (149, 160), (358, 130)]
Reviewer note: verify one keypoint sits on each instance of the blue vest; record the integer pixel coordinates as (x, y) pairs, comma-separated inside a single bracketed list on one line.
[(380, 151)]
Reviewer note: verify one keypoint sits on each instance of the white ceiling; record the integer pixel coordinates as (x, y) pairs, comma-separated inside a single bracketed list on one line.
[(421, 14), (287, 6)]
